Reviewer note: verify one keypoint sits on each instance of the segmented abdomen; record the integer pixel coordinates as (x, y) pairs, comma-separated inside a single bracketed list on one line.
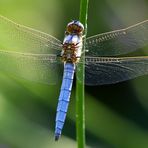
[(69, 69)]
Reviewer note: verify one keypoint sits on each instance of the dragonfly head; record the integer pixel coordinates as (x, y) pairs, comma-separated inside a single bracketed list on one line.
[(75, 27)]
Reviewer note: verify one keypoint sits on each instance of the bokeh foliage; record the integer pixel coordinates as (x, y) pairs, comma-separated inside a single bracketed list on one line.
[(116, 115)]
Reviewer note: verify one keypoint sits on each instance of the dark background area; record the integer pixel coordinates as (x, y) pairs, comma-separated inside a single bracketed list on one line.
[(116, 115)]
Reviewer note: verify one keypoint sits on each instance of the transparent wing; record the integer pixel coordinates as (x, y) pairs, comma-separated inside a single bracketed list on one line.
[(42, 68), (104, 70), (24, 39), (119, 41)]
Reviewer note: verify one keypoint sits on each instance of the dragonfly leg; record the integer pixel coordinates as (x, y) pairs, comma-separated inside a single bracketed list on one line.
[(59, 55), (83, 36), (84, 51)]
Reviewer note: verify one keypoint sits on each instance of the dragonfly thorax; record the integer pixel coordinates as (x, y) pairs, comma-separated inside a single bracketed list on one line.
[(72, 44)]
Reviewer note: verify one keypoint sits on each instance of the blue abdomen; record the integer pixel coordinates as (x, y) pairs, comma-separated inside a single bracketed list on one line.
[(64, 98)]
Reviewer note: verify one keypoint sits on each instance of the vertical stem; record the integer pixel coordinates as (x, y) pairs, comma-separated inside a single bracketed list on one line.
[(80, 103)]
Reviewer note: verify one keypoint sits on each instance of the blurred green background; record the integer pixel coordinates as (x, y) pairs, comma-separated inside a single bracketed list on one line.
[(116, 115)]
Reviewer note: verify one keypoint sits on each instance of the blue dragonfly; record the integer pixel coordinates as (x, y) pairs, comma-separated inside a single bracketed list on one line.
[(36, 56)]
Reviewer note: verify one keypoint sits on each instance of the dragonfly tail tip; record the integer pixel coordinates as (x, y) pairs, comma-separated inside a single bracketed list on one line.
[(57, 136)]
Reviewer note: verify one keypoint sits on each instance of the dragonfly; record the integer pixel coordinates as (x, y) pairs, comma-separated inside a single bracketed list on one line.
[(37, 56)]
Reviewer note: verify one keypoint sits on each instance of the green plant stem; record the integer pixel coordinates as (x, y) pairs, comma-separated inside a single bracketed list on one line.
[(80, 87)]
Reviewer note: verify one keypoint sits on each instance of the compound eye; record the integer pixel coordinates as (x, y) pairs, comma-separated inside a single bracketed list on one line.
[(69, 28), (75, 27)]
